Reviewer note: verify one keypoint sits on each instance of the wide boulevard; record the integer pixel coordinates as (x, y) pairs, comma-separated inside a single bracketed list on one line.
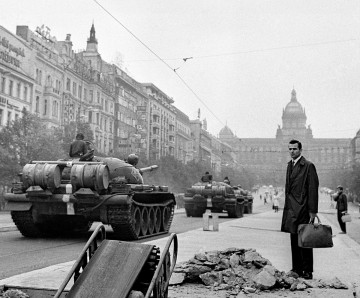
[(19, 254)]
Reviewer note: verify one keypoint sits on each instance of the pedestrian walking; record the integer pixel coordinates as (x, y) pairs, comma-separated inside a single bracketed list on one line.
[(276, 204), (301, 206), (341, 206)]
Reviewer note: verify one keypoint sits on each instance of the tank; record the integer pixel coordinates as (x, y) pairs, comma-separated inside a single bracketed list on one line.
[(215, 196), (67, 196), (248, 198)]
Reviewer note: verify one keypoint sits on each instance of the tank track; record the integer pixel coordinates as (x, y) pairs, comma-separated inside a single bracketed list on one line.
[(125, 220), (51, 228), (25, 224)]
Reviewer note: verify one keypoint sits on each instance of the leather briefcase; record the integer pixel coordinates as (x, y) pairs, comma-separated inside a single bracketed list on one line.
[(314, 235), (346, 218)]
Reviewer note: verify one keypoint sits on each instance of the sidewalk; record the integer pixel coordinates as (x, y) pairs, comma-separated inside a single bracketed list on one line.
[(258, 231)]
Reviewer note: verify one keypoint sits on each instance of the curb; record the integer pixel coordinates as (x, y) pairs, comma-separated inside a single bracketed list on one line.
[(8, 229)]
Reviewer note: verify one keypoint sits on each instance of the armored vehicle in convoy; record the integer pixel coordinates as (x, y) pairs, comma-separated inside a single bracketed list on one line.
[(248, 198), (216, 196), (67, 196)]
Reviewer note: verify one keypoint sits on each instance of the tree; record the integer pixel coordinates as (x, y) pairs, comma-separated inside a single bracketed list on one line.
[(26, 139)]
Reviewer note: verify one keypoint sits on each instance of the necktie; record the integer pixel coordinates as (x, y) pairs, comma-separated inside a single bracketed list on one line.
[(291, 166)]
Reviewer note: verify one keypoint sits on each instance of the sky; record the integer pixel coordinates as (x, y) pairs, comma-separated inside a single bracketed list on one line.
[(246, 55)]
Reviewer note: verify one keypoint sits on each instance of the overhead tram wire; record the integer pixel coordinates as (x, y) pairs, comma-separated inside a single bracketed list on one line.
[(162, 60), (260, 50)]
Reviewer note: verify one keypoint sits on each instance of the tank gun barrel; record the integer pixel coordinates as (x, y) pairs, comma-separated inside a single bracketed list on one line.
[(148, 169), (68, 162)]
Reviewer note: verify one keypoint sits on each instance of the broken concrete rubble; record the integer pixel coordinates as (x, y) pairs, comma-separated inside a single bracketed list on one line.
[(242, 270)]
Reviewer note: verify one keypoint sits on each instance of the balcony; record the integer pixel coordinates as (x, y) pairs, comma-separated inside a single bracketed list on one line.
[(155, 112), (49, 90), (155, 124)]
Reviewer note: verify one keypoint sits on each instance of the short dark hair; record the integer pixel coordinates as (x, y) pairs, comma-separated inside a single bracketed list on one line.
[(296, 142), (206, 173), (79, 136)]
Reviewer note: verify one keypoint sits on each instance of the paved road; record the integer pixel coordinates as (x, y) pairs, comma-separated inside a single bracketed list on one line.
[(19, 254)]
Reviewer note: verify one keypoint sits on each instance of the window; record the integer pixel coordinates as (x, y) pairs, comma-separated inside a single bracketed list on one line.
[(90, 117), (37, 104), (98, 96), (91, 93), (68, 83), (58, 84), (45, 106), (97, 119), (85, 94), (1, 116), (9, 118), (74, 89), (111, 126), (16, 117), (25, 93), (11, 85), (80, 92), (3, 82), (55, 108), (18, 88)]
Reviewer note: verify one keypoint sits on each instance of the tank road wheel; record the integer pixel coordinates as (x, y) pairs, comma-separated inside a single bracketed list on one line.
[(25, 223), (126, 225), (157, 225), (144, 223), (136, 221), (151, 220), (166, 215)]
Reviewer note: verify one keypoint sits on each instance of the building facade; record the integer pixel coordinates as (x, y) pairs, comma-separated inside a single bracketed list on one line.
[(162, 122), (17, 84), (269, 156)]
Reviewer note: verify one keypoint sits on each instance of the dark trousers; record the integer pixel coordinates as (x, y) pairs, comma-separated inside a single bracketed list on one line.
[(302, 258), (341, 223)]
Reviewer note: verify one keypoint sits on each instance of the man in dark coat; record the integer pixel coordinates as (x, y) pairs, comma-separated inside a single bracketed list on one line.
[(78, 148), (301, 206), (341, 206), (206, 178)]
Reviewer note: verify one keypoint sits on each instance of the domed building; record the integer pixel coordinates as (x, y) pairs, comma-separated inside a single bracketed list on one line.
[(294, 121), (226, 134), (269, 156)]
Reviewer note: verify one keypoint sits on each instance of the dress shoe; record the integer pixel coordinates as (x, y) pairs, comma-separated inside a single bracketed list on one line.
[(307, 275), (294, 273), (342, 232)]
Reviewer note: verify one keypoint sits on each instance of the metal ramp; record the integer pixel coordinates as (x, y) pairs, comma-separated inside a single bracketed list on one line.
[(115, 268), (112, 271)]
